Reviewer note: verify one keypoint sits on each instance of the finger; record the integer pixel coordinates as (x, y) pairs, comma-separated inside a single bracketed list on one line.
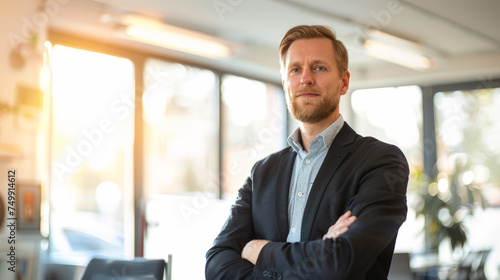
[(342, 223), (342, 226), (337, 227), (347, 214), (344, 217), (350, 220), (339, 230), (335, 233), (342, 230), (332, 235)]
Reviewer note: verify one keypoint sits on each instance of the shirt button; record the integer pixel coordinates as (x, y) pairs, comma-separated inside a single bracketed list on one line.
[(300, 194), (308, 161), (293, 230)]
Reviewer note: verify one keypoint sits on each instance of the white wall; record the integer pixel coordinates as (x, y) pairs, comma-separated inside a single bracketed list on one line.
[(19, 134)]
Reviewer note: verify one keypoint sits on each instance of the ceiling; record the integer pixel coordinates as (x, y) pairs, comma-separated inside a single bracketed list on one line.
[(461, 35)]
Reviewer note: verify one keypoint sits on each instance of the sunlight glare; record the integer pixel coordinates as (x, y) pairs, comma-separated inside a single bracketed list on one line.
[(245, 98), (392, 110), (83, 80), (108, 196)]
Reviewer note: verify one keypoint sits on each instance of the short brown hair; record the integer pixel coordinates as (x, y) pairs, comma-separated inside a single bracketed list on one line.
[(310, 32)]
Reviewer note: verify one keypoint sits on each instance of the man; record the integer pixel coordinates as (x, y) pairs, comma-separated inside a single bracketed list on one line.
[(280, 226)]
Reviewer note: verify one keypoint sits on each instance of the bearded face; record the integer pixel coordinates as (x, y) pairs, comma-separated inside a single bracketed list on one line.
[(312, 82)]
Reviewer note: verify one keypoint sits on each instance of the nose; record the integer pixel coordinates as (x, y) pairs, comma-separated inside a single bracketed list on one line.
[(307, 77)]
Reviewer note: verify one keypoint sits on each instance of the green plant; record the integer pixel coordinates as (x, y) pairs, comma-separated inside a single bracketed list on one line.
[(445, 201)]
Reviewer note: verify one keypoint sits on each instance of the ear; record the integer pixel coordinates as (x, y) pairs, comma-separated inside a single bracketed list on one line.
[(283, 85), (344, 82)]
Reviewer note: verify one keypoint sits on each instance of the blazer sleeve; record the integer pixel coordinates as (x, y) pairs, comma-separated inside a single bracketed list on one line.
[(380, 207), (224, 258)]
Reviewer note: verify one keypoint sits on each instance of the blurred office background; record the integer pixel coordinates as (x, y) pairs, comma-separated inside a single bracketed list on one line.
[(132, 124)]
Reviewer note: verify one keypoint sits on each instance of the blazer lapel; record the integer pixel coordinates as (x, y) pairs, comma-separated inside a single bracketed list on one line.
[(283, 180), (336, 154)]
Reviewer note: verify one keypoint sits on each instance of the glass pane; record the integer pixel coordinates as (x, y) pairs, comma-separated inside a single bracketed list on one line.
[(254, 126), (91, 156), (181, 153), (180, 129), (394, 115), (468, 130), (468, 148)]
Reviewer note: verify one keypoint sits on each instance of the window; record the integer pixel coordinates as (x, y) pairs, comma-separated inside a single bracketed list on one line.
[(181, 129), (254, 126), (468, 137), (91, 154), (181, 155), (468, 149), (394, 115)]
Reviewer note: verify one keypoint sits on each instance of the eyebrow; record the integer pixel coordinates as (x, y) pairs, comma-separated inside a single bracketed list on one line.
[(316, 61)]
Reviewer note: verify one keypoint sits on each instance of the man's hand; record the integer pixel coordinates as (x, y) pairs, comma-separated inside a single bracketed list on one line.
[(341, 226), (252, 250)]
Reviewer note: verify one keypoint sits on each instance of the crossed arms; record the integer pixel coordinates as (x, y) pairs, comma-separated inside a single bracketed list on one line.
[(252, 249)]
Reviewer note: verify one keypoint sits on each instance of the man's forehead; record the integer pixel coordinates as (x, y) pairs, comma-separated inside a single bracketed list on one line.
[(314, 49)]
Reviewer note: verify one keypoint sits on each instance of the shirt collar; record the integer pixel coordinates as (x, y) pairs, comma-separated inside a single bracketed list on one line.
[(295, 141)]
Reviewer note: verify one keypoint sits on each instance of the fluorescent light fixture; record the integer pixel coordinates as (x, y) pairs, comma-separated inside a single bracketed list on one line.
[(397, 50), (155, 32), (397, 55), (393, 40)]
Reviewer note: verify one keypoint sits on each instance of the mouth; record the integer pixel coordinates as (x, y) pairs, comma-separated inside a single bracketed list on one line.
[(308, 95), (307, 92)]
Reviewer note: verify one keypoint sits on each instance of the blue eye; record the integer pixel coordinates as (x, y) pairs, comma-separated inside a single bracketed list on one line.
[(320, 68)]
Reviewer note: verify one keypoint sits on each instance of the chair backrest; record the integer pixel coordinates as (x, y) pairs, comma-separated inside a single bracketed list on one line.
[(112, 269), (465, 266), (400, 267), (478, 269)]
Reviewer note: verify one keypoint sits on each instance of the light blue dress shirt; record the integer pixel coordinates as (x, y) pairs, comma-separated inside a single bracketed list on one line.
[(305, 169)]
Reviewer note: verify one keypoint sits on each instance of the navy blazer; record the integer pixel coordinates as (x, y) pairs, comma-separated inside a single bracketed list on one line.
[(361, 174)]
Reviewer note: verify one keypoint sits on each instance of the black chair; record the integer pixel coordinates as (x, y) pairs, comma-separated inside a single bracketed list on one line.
[(400, 267), (137, 269), (478, 268), (465, 266), (471, 267)]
